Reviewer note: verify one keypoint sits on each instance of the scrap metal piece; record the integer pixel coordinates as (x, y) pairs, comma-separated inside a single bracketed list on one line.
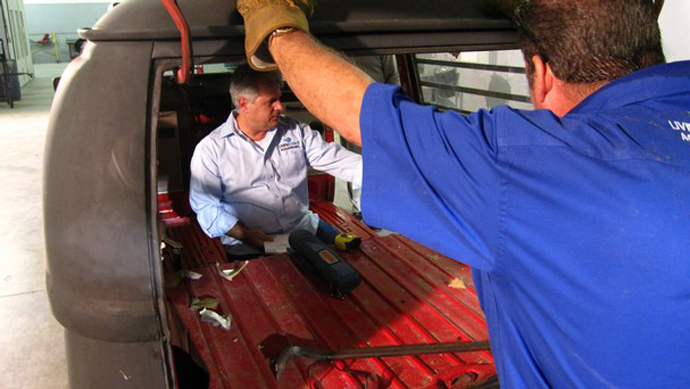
[(172, 280), (229, 274), (457, 283), (172, 243), (192, 275), (375, 352), (175, 248), (215, 319), (208, 302)]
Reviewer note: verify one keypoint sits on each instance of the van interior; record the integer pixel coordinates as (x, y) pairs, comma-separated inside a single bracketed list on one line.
[(272, 321)]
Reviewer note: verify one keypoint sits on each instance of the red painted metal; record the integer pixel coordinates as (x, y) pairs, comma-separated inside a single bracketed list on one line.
[(328, 134), (405, 298), (183, 75), (321, 187), (171, 208)]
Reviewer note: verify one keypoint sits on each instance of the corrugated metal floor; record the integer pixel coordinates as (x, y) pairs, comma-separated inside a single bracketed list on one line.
[(409, 295)]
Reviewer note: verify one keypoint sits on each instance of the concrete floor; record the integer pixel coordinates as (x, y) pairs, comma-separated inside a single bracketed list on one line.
[(32, 352)]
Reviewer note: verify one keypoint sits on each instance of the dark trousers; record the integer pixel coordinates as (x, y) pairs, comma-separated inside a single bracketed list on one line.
[(326, 232)]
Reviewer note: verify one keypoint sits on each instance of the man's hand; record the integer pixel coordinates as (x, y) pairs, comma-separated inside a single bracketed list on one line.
[(254, 238), (330, 86), (263, 17)]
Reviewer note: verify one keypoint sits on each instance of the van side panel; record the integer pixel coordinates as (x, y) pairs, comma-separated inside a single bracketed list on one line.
[(99, 364), (98, 239)]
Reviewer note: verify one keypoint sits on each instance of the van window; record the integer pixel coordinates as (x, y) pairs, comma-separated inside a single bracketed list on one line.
[(472, 80)]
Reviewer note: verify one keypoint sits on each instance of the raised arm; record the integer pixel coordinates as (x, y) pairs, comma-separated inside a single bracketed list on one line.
[(328, 85)]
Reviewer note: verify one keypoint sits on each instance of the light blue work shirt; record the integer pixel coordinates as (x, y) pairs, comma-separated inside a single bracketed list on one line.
[(262, 184)]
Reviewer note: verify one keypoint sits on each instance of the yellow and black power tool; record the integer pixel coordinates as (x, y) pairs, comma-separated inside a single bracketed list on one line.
[(339, 277), (347, 241)]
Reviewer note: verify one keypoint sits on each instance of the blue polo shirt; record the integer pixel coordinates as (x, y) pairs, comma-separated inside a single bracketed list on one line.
[(577, 228)]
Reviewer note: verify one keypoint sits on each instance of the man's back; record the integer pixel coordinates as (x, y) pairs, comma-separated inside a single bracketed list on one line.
[(592, 285), (575, 227)]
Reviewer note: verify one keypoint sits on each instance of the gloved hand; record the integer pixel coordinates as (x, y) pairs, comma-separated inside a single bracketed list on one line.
[(507, 7), (262, 18)]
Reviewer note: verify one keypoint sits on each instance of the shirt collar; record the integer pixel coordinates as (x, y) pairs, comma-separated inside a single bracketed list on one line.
[(230, 127), (649, 83)]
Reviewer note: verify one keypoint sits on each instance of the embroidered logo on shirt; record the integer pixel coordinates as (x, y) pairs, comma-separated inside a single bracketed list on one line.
[(683, 127), (288, 144)]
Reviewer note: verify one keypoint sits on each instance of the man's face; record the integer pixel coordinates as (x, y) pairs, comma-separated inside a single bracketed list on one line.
[(263, 114)]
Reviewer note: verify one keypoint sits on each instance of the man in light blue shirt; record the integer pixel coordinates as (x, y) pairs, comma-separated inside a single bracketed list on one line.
[(249, 176)]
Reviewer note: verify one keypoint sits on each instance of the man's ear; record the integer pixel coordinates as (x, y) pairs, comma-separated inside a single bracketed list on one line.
[(243, 102), (543, 82)]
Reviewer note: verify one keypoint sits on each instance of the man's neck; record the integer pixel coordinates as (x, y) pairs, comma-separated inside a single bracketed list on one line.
[(566, 96), (246, 128)]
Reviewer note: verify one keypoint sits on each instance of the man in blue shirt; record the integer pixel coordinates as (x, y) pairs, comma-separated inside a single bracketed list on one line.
[(574, 216), (249, 176)]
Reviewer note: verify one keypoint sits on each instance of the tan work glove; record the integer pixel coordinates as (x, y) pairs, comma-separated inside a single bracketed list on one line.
[(262, 18)]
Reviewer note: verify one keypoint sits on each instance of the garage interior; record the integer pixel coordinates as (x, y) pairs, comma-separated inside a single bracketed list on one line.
[(32, 348)]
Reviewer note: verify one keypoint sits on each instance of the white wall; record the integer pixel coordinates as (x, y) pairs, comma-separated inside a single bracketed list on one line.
[(62, 18), (673, 21), (65, 1), (17, 43)]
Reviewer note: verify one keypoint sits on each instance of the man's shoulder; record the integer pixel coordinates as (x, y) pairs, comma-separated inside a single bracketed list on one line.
[(292, 126), (209, 145), (290, 123), (215, 136)]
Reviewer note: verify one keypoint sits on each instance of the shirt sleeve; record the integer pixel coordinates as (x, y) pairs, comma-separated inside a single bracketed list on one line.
[(332, 158), (431, 175), (215, 216)]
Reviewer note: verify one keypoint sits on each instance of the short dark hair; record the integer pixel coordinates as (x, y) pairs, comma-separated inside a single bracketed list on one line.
[(247, 81), (590, 41)]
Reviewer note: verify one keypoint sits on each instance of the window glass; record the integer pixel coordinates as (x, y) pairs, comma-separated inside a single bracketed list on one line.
[(469, 81)]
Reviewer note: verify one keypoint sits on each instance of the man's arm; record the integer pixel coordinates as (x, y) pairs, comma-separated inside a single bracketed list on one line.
[(205, 193), (331, 158), (328, 85), (247, 235), (215, 217)]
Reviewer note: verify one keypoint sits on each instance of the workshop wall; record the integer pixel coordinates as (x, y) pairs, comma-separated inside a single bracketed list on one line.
[(62, 19), (673, 22)]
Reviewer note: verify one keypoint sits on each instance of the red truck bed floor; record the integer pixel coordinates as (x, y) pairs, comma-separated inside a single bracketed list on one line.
[(409, 295)]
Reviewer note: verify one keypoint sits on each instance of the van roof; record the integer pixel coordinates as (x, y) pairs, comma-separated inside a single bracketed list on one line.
[(387, 19)]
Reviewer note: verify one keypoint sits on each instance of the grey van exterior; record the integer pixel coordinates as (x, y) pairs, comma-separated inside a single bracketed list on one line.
[(104, 274)]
